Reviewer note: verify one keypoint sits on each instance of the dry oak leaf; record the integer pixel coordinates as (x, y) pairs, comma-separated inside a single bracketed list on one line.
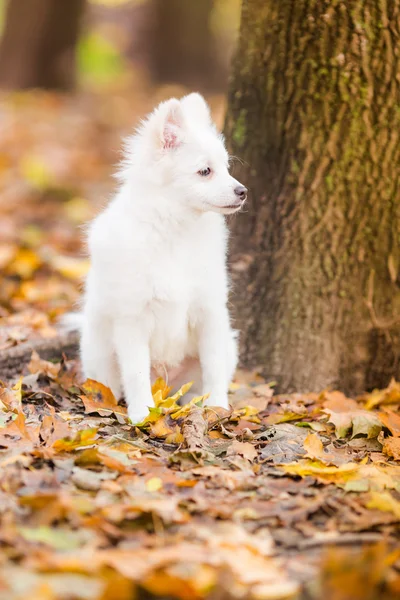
[(313, 446), (38, 365), (11, 398), (98, 398), (391, 447), (337, 401), (357, 422), (244, 449), (390, 395), (391, 421)]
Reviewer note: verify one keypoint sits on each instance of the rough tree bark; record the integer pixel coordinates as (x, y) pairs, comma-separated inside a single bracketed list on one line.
[(38, 45), (314, 112)]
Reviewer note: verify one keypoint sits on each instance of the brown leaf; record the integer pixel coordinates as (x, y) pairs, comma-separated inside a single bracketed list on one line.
[(390, 395), (53, 428), (99, 399), (355, 422), (313, 446), (391, 447), (38, 365), (283, 443), (337, 402), (391, 420), (193, 429), (244, 449)]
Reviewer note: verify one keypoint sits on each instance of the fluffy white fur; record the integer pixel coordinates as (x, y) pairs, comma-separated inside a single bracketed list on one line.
[(157, 290)]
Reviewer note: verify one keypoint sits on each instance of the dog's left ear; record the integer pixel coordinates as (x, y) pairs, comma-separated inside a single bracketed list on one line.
[(172, 124), (197, 108)]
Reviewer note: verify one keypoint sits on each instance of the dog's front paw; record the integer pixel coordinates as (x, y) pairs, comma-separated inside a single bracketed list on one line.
[(218, 400), (137, 414)]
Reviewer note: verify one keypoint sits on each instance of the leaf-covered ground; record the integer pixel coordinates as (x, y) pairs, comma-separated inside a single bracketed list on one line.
[(196, 502), (281, 497)]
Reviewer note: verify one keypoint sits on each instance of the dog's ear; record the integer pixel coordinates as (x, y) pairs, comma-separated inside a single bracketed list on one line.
[(197, 108), (170, 124)]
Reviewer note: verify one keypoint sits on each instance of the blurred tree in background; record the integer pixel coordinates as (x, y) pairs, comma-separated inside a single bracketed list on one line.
[(186, 42), (184, 45), (38, 45), (314, 112)]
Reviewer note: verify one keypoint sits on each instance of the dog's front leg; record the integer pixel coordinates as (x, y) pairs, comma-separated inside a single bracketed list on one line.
[(214, 339), (132, 346)]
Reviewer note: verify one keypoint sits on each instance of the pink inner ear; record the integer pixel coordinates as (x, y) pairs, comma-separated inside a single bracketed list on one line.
[(170, 136)]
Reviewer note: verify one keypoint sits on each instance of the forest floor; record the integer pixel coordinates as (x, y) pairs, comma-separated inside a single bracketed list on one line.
[(281, 497)]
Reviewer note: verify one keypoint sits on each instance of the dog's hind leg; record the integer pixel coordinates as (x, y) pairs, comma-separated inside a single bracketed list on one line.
[(97, 353)]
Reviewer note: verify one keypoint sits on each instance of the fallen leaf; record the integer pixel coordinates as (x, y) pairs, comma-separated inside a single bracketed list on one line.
[(391, 447), (24, 263), (154, 484), (391, 420), (85, 437), (244, 449), (355, 422), (38, 365), (390, 395), (313, 446), (70, 266), (337, 402), (385, 502), (57, 538), (283, 443), (99, 399)]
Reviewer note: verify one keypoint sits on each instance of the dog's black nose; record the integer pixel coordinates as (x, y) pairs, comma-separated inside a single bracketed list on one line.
[(241, 191)]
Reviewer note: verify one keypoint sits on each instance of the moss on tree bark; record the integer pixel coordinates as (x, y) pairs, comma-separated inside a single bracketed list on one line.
[(314, 112)]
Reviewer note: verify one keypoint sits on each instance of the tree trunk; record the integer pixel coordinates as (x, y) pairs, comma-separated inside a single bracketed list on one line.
[(184, 49), (314, 112), (38, 44)]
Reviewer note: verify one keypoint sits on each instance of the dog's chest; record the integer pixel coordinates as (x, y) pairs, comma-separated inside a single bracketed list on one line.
[(178, 282)]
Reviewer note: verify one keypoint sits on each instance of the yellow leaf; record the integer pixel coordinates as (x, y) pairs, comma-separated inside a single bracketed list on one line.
[(182, 411), (85, 437), (175, 438), (78, 210), (70, 267), (322, 472), (284, 417), (385, 502), (161, 428), (160, 386), (373, 476), (36, 172), (24, 264), (154, 484), (249, 413), (390, 395), (182, 391)]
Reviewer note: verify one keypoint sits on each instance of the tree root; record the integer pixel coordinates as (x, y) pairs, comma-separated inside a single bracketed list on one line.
[(13, 360)]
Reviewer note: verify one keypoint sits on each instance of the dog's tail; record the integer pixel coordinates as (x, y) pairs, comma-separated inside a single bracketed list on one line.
[(69, 322)]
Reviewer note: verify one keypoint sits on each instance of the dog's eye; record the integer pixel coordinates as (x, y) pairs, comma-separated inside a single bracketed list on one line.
[(204, 172)]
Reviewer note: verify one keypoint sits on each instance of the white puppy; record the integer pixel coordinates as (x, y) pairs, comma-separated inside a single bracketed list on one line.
[(157, 289)]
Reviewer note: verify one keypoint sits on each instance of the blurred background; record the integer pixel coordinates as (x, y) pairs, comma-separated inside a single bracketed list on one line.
[(75, 77)]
